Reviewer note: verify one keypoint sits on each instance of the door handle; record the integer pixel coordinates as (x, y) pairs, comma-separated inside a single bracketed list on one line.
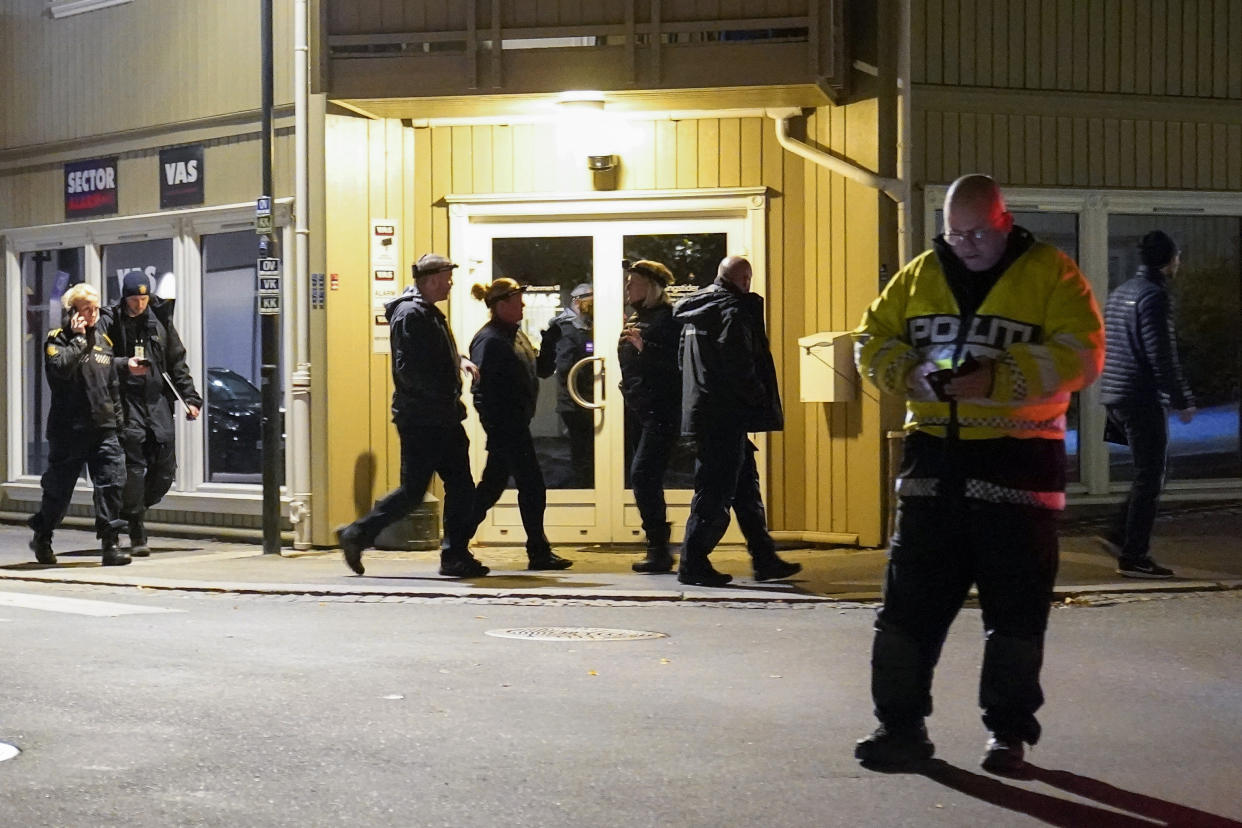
[(571, 382)]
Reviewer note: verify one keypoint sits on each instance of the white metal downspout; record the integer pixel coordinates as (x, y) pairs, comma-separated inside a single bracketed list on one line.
[(300, 421)]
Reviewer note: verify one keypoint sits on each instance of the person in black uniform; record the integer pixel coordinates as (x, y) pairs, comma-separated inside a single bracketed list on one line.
[(427, 410), (728, 390), (147, 348), (81, 427), (568, 339), (651, 385), (504, 396)]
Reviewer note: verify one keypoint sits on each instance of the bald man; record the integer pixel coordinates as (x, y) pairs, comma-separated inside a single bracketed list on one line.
[(986, 336), (728, 390)]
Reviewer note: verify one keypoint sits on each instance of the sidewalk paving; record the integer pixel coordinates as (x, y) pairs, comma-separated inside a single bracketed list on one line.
[(1202, 544)]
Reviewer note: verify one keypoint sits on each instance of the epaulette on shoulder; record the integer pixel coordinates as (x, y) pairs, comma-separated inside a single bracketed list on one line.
[(54, 333), (108, 339)]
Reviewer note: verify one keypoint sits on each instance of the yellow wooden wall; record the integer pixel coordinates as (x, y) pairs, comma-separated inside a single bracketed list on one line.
[(823, 257)]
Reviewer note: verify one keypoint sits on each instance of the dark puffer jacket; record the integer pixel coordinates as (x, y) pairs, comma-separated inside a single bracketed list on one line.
[(1141, 365), (650, 379), (507, 388), (426, 366), (728, 377), (566, 341)]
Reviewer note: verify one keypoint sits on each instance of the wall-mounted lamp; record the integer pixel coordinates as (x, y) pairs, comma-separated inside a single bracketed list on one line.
[(605, 171)]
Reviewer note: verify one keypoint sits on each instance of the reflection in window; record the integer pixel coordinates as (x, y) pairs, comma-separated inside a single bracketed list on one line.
[(46, 275), (563, 431), (1207, 313), (153, 257), (231, 351)]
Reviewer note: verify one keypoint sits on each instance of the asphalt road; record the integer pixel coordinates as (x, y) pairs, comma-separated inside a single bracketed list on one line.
[(288, 711)]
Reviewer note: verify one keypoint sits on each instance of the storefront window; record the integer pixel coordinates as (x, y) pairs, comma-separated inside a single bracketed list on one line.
[(153, 257), (231, 345), (1207, 312), (46, 275)]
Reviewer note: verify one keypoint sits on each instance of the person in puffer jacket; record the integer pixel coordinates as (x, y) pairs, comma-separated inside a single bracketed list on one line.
[(986, 336), (1142, 380), (728, 390)]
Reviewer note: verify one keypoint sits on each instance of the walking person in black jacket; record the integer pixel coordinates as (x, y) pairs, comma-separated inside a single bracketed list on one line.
[(146, 350), (651, 385), (82, 426), (1142, 380), (728, 390), (504, 395), (427, 410), (568, 339)]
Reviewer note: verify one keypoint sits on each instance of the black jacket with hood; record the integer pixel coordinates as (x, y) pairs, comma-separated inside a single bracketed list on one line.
[(507, 389), (426, 365), (650, 379), (728, 377)]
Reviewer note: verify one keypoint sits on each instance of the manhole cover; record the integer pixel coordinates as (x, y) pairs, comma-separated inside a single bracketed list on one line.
[(575, 634), (7, 751)]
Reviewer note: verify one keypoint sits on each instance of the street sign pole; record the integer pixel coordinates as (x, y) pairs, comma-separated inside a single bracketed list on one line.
[(269, 317)]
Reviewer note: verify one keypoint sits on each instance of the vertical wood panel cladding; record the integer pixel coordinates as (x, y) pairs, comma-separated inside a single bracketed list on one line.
[(1144, 47), (134, 66)]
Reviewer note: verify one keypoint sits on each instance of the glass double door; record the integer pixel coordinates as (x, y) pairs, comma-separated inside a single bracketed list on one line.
[(575, 309)]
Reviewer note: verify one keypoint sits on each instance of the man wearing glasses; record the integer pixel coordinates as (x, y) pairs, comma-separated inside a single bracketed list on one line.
[(985, 336)]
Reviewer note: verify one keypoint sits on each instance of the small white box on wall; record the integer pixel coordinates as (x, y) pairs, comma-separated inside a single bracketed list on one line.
[(826, 367)]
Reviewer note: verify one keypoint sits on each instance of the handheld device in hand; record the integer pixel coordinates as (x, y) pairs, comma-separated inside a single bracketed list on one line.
[(939, 379)]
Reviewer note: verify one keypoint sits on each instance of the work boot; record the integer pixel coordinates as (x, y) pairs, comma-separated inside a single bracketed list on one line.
[(548, 560), (1004, 755), (347, 537), (894, 747), (42, 547), (138, 539), (659, 558), (772, 568), (111, 555), (703, 574), (462, 566)]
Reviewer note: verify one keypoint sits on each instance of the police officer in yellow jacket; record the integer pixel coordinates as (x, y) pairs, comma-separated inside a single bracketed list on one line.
[(82, 427), (986, 336)]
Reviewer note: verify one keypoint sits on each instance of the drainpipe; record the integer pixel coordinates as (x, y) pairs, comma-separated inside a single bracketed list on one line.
[(300, 421)]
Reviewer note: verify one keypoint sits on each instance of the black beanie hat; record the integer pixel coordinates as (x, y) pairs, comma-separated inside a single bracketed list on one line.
[(1156, 249), (135, 283)]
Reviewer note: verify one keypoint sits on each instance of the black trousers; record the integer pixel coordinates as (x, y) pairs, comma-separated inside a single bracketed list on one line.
[(725, 476), (1147, 431), (443, 450), (512, 454), (941, 548), (150, 466), (580, 425), (100, 452), (652, 449)]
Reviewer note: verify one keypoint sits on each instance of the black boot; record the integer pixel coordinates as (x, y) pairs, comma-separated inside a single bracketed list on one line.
[(659, 558), (42, 547), (111, 555), (349, 538), (772, 568), (138, 538), (462, 565), (547, 560)]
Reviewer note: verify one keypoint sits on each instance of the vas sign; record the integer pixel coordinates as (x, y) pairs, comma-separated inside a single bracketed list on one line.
[(181, 176)]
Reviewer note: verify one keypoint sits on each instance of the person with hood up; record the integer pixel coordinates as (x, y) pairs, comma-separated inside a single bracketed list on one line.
[(728, 390), (428, 412), (504, 395), (148, 355), (651, 386), (568, 339)]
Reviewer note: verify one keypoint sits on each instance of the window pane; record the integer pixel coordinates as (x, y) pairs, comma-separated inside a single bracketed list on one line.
[(1207, 312), (46, 274), (693, 259), (152, 257), (563, 431), (232, 356)]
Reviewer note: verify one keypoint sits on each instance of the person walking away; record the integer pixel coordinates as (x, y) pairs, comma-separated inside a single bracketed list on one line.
[(82, 425), (985, 336), (428, 412), (148, 355), (568, 339), (651, 386), (504, 395), (1142, 380), (728, 390)]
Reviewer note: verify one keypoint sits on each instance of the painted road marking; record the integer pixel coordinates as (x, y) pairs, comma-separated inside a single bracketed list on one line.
[(75, 606)]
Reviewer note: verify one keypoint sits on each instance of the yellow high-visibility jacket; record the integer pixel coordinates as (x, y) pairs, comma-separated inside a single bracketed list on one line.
[(1040, 322)]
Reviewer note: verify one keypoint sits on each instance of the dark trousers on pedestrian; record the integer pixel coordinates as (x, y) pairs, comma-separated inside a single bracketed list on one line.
[(443, 450), (941, 548), (512, 454), (725, 476), (1147, 431), (580, 426), (100, 452), (150, 466), (647, 467)]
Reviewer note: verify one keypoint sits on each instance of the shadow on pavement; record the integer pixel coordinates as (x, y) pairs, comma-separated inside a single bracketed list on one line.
[(1143, 810)]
